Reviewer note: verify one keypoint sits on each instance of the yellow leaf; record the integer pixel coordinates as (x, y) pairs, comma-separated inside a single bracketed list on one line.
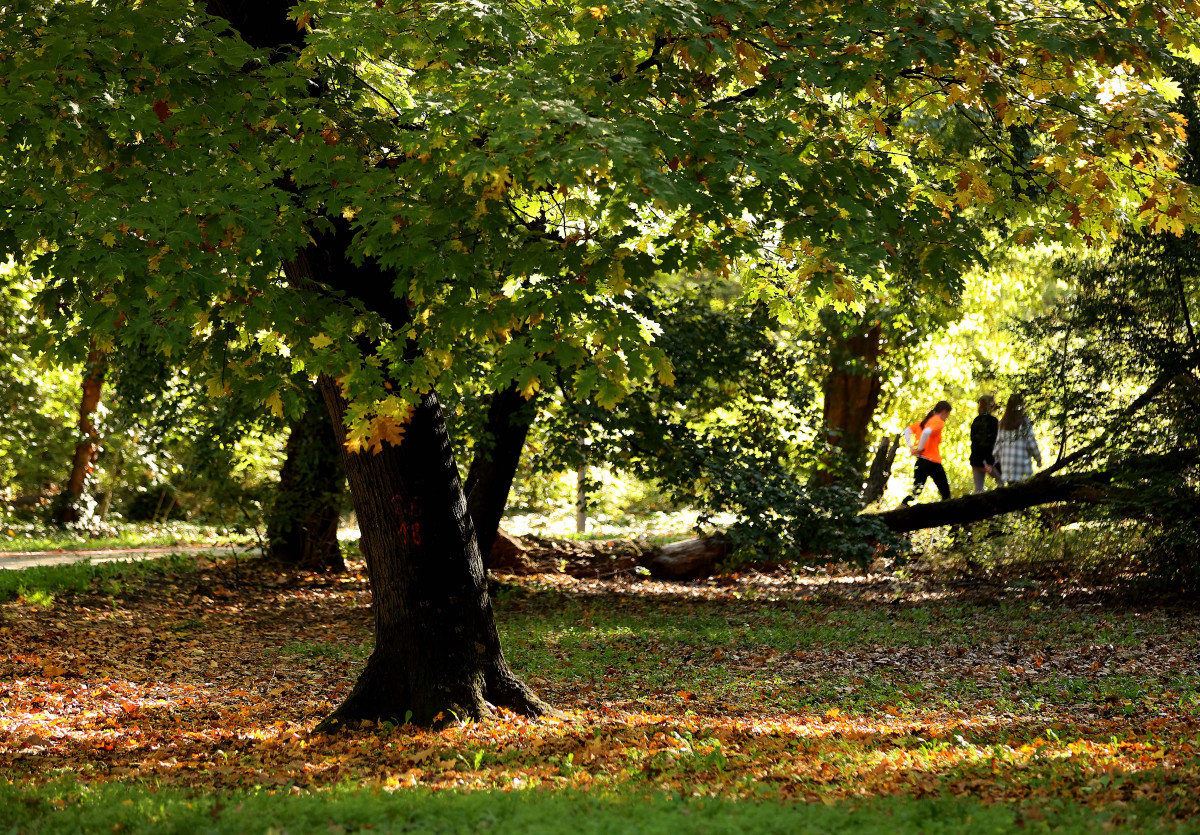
[(108, 239), (275, 403), (531, 388), (616, 276), (384, 430), (320, 341)]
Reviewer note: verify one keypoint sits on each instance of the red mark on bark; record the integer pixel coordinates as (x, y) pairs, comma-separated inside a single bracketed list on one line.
[(410, 533), (408, 509)]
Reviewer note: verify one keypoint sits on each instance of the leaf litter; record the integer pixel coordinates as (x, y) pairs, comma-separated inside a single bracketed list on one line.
[(822, 687)]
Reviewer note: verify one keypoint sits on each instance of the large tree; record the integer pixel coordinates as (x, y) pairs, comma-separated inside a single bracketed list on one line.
[(382, 190)]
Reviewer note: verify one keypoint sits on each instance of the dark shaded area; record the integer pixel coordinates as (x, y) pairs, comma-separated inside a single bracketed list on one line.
[(302, 522)]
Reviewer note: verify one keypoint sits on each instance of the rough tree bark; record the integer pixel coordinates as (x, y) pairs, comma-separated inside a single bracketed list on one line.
[(850, 396), (302, 523), (1097, 487), (494, 465), (67, 508), (437, 653), (881, 469)]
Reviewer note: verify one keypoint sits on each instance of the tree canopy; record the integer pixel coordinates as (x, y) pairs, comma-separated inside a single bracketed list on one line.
[(517, 169)]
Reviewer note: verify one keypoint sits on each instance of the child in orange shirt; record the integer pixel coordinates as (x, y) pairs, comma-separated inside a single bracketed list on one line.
[(923, 440)]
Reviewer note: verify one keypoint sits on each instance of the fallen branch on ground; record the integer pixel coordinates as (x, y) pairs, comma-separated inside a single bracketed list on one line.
[(1097, 487)]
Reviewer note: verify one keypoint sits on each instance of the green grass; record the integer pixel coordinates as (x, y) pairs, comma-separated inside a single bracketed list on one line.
[(331, 651), (39, 585), (69, 807), (39, 538), (728, 651)]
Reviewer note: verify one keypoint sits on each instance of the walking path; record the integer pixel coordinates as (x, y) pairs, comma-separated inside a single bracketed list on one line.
[(30, 559)]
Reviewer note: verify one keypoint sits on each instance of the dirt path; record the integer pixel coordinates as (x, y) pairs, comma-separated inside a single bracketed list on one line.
[(30, 559)]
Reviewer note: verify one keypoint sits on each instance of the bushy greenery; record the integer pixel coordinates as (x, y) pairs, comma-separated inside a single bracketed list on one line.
[(38, 402), (38, 536)]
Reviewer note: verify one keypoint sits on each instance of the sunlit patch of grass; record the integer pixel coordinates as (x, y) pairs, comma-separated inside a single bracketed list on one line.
[(39, 598), (130, 535), (42, 583), (330, 651)]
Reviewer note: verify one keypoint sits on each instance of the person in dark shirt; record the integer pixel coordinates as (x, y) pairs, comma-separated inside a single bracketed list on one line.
[(983, 441)]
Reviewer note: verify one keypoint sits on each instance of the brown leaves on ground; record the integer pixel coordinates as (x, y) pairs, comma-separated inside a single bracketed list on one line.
[(763, 685)]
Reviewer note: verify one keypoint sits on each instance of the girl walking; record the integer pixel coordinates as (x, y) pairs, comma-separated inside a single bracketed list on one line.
[(983, 441), (923, 440), (1015, 443)]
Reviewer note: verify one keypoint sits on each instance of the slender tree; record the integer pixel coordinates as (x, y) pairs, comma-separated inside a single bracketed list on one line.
[(68, 505)]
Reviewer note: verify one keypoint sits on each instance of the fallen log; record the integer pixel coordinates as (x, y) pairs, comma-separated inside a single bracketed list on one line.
[(510, 554), (691, 559), (1096, 487)]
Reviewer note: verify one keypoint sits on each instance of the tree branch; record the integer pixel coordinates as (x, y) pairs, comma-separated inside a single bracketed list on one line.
[(1156, 388), (1095, 487)]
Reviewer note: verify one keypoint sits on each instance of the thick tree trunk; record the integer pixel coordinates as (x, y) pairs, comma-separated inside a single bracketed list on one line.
[(437, 652), (1099, 487), (67, 509), (494, 465), (851, 394), (302, 524)]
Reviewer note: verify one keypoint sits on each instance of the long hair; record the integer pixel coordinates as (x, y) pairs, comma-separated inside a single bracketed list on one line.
[(987, 404), (940, 406), (1014, 412)]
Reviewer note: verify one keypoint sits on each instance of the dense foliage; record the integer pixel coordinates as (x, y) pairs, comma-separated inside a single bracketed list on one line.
[(522, 168)]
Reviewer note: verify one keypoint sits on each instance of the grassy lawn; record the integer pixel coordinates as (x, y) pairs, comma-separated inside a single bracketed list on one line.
[(178, 696), (39, 538)]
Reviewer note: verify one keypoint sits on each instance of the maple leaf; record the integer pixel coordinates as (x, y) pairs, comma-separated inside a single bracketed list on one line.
[(384, 430), (162, 109)]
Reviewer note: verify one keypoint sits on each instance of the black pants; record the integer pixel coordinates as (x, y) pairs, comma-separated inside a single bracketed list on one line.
[(926, 470)]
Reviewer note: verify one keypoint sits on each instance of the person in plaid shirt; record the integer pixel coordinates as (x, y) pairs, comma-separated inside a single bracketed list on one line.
[(1015, 443)]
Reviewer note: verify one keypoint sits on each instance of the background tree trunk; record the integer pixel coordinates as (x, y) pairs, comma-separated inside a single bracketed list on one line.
[(302, 523), (851, 395), (494, 465), (67, 508), (881, 469)]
